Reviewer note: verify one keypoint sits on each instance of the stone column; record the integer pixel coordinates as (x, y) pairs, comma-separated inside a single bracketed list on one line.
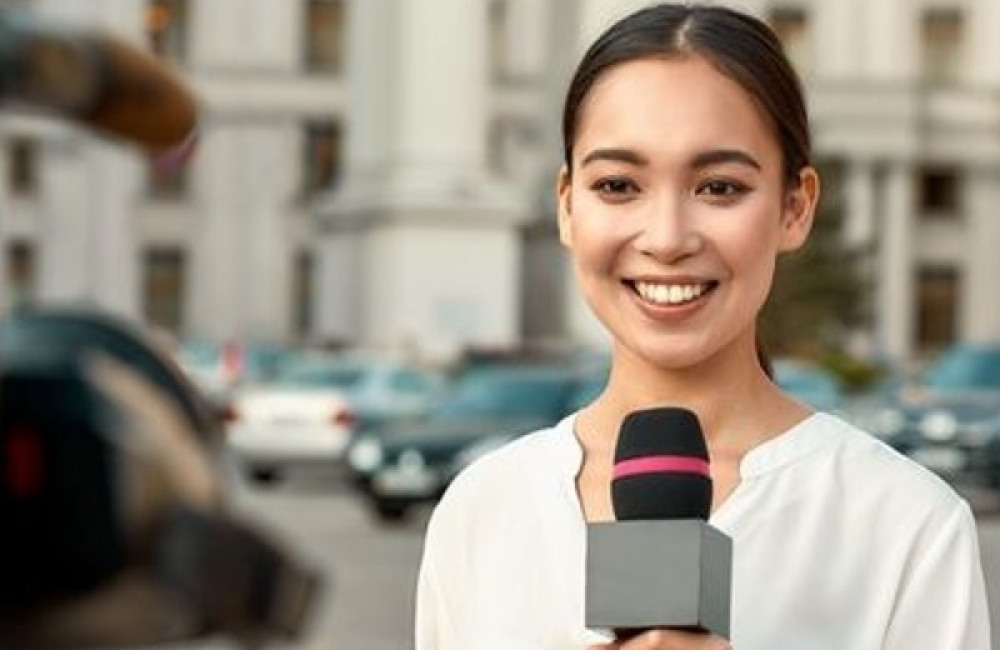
[(982, 47), (896, 313), (441, 109), (891, 45), (115, 182), (88, 231), (89, 191), (837, 34), (244, 176), (525, 39), (242, 182), (980, 296), (371, 42), (260, 35), (859, 236), (435, 234), (66, 237), (859, 225)]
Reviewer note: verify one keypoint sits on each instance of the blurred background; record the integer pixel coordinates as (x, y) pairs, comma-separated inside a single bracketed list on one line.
[(359, 266)]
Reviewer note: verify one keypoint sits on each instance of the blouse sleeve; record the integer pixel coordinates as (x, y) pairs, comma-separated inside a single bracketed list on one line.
[(941, 604), (441, 569)]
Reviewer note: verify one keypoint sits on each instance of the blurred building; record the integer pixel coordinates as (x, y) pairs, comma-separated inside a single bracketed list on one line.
[(381, 171)]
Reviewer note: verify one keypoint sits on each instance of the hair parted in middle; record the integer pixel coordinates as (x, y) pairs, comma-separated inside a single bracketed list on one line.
[(737, 44)]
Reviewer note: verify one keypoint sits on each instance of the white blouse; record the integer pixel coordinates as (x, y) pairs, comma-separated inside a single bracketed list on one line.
[(839, 543)]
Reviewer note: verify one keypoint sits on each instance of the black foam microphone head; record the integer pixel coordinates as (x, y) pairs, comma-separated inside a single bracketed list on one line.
[(661, 467)]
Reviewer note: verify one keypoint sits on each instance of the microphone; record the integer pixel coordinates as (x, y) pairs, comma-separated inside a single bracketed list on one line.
[(660, 565), (102, 82)]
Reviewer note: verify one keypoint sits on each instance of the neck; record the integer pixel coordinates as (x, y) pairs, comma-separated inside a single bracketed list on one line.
[(738, 405)]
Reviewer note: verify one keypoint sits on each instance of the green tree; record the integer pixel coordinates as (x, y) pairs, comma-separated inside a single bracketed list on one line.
[(820, 293)]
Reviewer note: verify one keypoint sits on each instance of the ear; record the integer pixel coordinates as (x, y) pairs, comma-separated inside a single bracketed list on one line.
[(799, 210), (564, 207)]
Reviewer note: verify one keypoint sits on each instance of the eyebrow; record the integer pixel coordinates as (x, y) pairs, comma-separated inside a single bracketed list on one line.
[(701, 160), (719, 156), (627, 156)]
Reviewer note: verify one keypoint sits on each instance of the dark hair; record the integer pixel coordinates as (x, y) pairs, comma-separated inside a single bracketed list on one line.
[(740, 46)]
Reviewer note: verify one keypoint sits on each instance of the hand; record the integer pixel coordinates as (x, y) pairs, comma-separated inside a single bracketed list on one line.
[(667, 640)]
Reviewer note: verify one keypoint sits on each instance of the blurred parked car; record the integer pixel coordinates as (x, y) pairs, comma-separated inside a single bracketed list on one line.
[(217, 370), (308, 414), (400, 466), (948, 418)]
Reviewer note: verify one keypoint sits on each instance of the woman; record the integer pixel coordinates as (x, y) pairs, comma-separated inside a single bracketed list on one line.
[(686, 174)]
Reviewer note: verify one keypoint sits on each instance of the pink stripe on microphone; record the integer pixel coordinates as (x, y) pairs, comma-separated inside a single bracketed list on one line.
[(656, 464)]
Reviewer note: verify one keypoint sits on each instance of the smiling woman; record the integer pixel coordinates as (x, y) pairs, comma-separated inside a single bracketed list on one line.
[(686, 175), (699, 181)]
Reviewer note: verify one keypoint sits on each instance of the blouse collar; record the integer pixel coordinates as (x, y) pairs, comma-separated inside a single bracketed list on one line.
[(799, 440)]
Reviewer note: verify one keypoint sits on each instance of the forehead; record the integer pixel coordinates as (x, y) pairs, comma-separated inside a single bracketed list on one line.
[(676, 106)]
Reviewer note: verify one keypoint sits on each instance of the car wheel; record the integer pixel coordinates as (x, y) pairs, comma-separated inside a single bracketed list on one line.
[(391, 513), (263, 476)]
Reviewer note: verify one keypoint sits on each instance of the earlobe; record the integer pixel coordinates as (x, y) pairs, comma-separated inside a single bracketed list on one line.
[(564, 207)]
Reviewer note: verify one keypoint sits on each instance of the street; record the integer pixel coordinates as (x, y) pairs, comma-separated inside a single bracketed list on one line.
[(371, 569)]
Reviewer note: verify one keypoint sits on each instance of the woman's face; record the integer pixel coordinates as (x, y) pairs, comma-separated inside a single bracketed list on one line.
[(676, 211)]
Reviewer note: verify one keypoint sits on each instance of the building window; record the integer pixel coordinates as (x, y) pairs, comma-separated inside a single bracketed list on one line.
[(791, 25), (942, 45), (303, 279), (20, 272), (321, 164), (940, 193), (166, 28), (163, 287), (324, 40), (22, 167), (937, 307)]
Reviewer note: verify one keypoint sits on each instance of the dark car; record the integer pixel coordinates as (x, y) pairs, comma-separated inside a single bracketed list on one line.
[(948, 419), (408, 463)]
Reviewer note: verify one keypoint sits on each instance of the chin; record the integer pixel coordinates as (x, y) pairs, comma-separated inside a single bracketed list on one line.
[(669, 356)]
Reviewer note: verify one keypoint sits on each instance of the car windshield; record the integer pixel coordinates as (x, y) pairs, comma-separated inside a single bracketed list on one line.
[(964, 369), (322, 375), (506, 394)]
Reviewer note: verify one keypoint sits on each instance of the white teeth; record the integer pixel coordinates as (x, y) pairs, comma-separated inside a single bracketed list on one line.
[(670, 294)]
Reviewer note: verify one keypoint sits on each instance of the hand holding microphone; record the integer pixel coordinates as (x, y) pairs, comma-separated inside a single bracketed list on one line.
[(667, 640), (661, 566)]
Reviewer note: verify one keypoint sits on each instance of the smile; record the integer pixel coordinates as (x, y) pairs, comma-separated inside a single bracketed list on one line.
[(671, 294)]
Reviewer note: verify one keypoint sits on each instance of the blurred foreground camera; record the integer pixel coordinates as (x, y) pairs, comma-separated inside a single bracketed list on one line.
[(115, 531)]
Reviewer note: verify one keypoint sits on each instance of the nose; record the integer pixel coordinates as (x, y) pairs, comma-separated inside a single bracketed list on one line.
[(666, 232)]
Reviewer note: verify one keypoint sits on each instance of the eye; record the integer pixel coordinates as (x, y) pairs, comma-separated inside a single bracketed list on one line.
[(615, 188), (722, 188)]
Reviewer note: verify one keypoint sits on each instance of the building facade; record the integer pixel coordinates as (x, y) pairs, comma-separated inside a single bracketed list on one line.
[(380, 171)]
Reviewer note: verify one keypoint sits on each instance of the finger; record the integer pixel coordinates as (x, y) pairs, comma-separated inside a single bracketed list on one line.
[(674, 640)]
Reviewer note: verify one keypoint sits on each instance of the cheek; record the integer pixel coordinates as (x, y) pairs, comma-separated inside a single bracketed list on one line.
[(756, 265), (598, 236), (749, 244)]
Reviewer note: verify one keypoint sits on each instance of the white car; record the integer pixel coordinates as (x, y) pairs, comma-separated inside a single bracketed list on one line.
[(308, 415)]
